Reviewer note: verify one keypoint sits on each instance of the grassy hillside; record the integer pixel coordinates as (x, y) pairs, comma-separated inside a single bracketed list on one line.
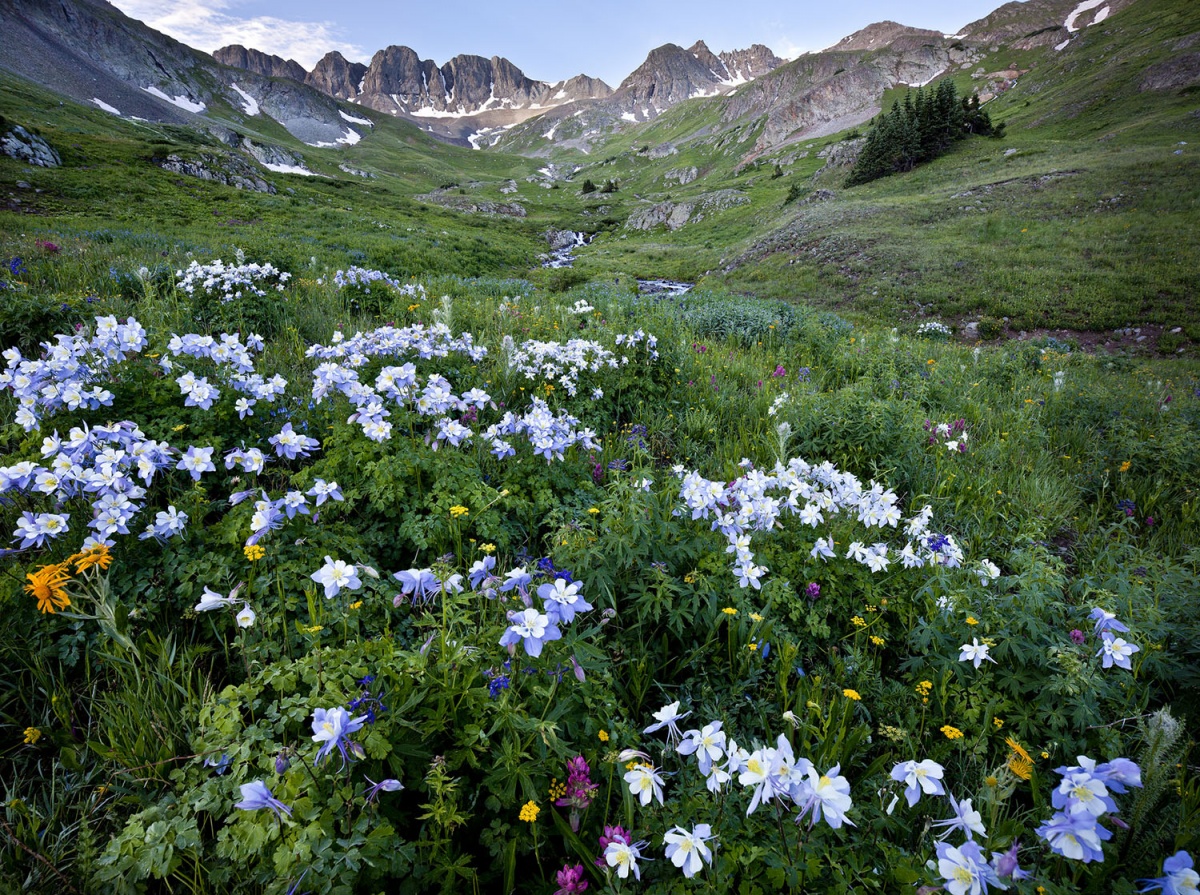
[(1083, 217)]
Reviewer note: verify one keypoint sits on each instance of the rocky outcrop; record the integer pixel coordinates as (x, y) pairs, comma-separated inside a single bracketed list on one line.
[(750, 63), (228, 170), (335, 75), (674, 215), (399, 82), (260, 63), (1177, 73), (29, 148), (681, 176), (672, 74), (823, 93), (456, 201), (886, 34)]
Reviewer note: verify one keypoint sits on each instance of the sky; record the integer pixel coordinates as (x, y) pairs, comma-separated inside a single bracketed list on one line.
[(548, 41)]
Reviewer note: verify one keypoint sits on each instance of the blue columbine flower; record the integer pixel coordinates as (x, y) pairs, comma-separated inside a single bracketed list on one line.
[(563, 600), (1075, 836), (1180, 878), (255, 795), (388, 785), (532, 628), (331, 727)]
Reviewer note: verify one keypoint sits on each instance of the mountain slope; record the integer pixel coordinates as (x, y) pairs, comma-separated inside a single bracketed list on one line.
[(90, 51)]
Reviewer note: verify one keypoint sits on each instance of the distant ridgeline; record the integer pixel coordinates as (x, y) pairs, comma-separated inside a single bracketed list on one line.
[(920, 129)]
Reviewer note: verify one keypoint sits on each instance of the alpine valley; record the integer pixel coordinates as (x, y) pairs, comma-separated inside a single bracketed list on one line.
[(760, 475)]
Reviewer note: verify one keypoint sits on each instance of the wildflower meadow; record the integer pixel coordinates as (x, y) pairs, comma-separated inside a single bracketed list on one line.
[(333, 581)]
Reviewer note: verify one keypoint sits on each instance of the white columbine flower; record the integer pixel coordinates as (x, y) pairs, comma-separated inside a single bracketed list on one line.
[(975, 653), (688, 851), (246, 617)]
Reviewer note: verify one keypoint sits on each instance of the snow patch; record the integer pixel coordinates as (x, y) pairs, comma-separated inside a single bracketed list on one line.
[(291, 169), (562, 94), (1058, 47), (249, 104), (426, 112), (106, 107), (1102, 15), (1079, 10), (181, 101), (349, 138), (931, 79), (549, 135), (628, 116), (363, 121)]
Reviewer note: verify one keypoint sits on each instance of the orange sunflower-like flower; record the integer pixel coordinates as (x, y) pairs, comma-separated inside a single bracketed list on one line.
[(46, 585), (97, 556)]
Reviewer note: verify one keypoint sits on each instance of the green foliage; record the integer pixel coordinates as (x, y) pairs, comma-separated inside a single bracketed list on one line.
[(990, 328)]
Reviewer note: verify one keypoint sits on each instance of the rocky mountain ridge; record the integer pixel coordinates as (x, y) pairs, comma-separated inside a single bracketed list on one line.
[(454, 100), (821, 93)]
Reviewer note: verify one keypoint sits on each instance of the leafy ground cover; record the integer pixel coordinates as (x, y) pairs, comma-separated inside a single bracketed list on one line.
[(401, 564), (365, 583)]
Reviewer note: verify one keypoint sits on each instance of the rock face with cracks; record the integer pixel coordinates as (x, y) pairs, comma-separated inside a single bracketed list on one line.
[(20, 144)]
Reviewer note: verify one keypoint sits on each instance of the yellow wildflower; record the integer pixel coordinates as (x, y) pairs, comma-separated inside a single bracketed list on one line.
[(489, 549), (46, 585), (990, 780), (603, 736), (756, 617), (924, 687), (751, 646), (851, 694), (1125, 466), (729, 610), (972, 620), (593, 511), (858, 621), (999, 722), (32, 735), (97, 556), (456, 511), (952, 733), (878, 641), (254, 552), (529, 811), (357, 604)]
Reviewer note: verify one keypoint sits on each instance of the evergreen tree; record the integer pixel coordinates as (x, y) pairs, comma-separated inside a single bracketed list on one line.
[(918, 130)]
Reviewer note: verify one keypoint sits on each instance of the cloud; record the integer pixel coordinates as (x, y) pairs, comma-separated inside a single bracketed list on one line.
[(786, 48), (209, 24)]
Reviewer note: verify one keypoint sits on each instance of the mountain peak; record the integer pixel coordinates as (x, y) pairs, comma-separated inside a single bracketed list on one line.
[(260, 63)]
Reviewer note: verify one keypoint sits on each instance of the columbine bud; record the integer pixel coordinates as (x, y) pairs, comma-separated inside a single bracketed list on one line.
[(282, 762)]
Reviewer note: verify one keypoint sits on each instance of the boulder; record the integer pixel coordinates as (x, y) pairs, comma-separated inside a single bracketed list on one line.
[(228, 170), (20, 144)]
